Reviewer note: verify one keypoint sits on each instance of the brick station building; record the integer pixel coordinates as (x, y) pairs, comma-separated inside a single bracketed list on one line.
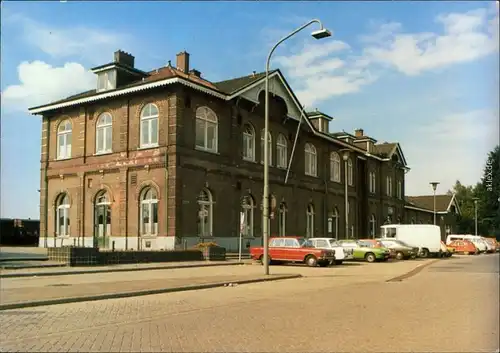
[(166, 158)]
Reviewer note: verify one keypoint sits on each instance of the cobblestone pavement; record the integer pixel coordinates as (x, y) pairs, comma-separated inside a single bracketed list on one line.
[(451, 306)]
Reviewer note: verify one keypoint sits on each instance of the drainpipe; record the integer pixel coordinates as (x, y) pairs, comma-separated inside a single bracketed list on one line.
[(325, 204), (46, 184), (166, 197)]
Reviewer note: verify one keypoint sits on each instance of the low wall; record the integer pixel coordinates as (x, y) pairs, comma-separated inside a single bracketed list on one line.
[(77, 256)]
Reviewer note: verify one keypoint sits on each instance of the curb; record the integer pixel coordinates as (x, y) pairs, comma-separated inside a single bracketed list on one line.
[(141, 293), (13, 267), (132, 269), (413, 272), (16, 259)]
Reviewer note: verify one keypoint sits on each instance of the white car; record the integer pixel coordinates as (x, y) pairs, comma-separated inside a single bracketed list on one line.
[(341, 253)]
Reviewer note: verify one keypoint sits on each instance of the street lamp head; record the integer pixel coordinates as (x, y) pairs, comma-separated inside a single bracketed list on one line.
[(322, 33), (434, 184)]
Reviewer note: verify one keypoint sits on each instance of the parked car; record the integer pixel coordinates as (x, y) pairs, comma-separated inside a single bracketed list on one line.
[(402, 250), (491, 245), (426, 237), (377, 244), (475, 239), (465, 247), (341, 253), (449, 251), (365, 251), (293, 249)]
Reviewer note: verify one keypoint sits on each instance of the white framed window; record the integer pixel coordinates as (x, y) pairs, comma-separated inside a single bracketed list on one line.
[(335, 167), (62, 216), (269, 148), (206, 130), (350, 172), (149, 212), (388, 186), (373, 182), (373, 226), (102, 219), (333, 224), (310, 221), (205, 213), (106, 80), (282, 219), (248, 143), (248, 206), (281, 152), (64, 137), (311, 160), (399, 190), (104, 134), (149, 126)]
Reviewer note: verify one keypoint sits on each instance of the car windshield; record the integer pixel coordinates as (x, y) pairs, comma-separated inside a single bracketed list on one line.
[(366, 244), (333, 242), (305, 243)]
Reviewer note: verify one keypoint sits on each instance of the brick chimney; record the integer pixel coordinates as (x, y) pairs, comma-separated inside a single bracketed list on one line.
[(124, 58), (359, 133), (183, 62)]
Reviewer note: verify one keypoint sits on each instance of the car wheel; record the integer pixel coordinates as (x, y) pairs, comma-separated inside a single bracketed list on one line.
[(424, 253), (311, 261), (400, 255), (338, 262), (370, 257)]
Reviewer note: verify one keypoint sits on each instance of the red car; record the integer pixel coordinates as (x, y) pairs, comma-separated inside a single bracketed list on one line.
[(293, 249), (464, 247)]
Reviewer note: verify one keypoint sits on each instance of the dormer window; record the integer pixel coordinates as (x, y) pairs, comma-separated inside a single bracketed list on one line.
[(106, 80)]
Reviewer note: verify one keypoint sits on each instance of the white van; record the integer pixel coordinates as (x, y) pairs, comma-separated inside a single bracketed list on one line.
[(453, 237), (426, 237)]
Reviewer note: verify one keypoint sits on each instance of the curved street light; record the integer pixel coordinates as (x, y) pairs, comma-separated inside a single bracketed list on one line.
[(319, 34)]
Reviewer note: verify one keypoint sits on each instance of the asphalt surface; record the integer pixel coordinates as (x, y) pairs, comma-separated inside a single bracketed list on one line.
[(450, 306)]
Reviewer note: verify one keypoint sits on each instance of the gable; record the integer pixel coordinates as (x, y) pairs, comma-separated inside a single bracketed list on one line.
[(277, 86)]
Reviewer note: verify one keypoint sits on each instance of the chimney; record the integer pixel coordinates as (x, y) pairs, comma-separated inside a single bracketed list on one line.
[(123, 58), (358, 133), (183, 62)]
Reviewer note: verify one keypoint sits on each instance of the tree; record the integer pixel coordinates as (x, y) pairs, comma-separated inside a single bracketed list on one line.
[(465, 199), (488, 193)]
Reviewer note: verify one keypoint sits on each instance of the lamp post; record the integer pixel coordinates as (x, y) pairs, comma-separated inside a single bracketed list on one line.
[(475, 215), (319, 34), (434, 187)]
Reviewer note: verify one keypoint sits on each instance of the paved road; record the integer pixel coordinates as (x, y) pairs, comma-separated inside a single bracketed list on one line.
[(451, 306)]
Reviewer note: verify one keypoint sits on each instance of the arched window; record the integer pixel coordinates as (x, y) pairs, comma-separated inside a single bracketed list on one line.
[(149, 126), (149, 212), (310, 221), (335, 167), (206, 129), (388, 186), (248, 143), (64, 140), (104, 134), (247, 207), (350, 174), (205, 213), (372, 182), (270, 147), (373, 226), (62, 216), (333, 224), (399, 190), (282, 219), (102, 220), (282, 152), (311, 160)]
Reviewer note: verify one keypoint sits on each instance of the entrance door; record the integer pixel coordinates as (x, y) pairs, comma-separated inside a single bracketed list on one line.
[(102, 222)]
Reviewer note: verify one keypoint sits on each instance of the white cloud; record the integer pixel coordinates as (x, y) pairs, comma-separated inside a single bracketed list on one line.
[(94, 45), (41, 83), (452, 147), (466, 37)]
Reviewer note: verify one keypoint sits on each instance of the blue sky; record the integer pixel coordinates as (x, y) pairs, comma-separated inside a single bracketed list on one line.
[(424, 74)]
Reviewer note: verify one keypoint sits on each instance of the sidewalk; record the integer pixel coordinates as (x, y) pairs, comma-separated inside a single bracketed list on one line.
[(66, 270), (22, 297)]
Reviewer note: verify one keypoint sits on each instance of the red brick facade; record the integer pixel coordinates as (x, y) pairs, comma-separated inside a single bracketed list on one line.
[(178, 172)]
